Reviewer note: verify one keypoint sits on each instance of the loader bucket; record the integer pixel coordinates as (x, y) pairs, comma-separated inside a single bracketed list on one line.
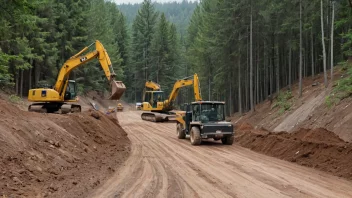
[(117, 90)]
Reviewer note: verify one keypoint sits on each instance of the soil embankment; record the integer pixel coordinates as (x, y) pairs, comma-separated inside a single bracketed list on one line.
[(316, 148), (50, 155), (309, 111)]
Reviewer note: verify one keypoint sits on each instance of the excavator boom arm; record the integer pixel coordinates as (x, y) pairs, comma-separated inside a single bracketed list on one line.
[(78, 60), (186, 82)]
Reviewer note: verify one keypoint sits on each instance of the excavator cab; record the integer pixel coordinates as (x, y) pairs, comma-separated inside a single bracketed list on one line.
[(153, 97), (71, 90)]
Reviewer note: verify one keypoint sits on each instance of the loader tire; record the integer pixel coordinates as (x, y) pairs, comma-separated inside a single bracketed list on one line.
[(228, 140), (180, 132), (195, 136)]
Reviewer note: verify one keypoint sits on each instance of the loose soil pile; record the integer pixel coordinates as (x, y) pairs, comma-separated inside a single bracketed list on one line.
[(49, 155), (318, 148)]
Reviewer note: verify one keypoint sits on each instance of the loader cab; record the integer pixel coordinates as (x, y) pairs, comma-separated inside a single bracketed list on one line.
[(71, 90), (205, 112), (153, 97)]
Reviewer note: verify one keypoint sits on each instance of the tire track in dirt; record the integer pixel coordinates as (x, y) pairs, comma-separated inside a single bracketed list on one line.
[(163, 166), (223, 175)]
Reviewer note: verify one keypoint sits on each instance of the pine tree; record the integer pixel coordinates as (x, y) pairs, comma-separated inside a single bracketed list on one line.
[(160, 51), (142, 34)]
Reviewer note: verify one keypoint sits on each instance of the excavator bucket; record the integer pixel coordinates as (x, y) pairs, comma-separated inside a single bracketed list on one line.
[(117, 90)]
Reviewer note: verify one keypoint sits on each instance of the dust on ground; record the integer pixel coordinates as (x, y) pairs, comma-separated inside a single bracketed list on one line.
[(103, 104), (316, 148), (50, 155)]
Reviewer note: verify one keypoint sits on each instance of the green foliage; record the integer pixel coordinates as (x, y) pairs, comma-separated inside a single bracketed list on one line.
[(178, 13), (343, 24), (5, 75), (342, 87), (346, 47), (15, 99), (165, 42), (330, 101), (283, 102)]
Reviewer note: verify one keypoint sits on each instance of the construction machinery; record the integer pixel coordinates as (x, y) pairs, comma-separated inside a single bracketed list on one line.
[(119, 107), (59, 98), (138, 106), (152, 86), (111, 109), (156, 109), (203, 120)]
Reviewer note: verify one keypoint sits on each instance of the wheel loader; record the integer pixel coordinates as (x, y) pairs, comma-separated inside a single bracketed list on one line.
[(204, 120), (61, 97)]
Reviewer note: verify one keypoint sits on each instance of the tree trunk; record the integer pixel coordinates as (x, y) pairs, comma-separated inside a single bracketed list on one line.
[(239, 87), (328, 34), (271, 77), (145, 65), (257, 86), (251, 64), (265, 73), (16, 82), (300, 48), (332, 41), (230, 92), (37, 71), (30, 79), (323, 43), (304, 65), (290, 68), (312, 51), (209, 87), (157, 70), (277, 69), (21, 85)]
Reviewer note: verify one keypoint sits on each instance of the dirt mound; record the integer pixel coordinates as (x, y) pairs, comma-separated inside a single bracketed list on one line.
[(245, 126), (57, 155), (319, 148), (318, 135)]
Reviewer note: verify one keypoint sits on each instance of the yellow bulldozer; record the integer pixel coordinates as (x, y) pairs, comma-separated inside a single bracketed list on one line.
[(60, 98), (119, 107), (156, 109)]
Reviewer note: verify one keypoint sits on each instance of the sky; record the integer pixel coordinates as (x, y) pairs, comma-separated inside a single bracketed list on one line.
[(139, 1)]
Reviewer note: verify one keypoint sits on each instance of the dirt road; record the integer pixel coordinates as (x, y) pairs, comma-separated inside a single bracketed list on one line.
[(160, 165)]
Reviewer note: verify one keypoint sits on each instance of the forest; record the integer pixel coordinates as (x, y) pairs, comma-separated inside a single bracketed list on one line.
[(244, 51)]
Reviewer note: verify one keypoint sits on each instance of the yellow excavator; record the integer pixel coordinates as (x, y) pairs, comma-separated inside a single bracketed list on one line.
[(156, 109), (59, 98)]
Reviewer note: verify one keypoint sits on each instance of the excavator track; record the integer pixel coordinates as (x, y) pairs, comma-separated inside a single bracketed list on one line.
[(59, 108), (157, 117)]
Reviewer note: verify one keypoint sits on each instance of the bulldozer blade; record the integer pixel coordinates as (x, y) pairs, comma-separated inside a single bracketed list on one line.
[(117, 90)]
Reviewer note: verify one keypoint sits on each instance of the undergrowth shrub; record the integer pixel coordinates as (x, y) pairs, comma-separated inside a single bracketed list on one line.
[(283, 102), (342, 87)]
